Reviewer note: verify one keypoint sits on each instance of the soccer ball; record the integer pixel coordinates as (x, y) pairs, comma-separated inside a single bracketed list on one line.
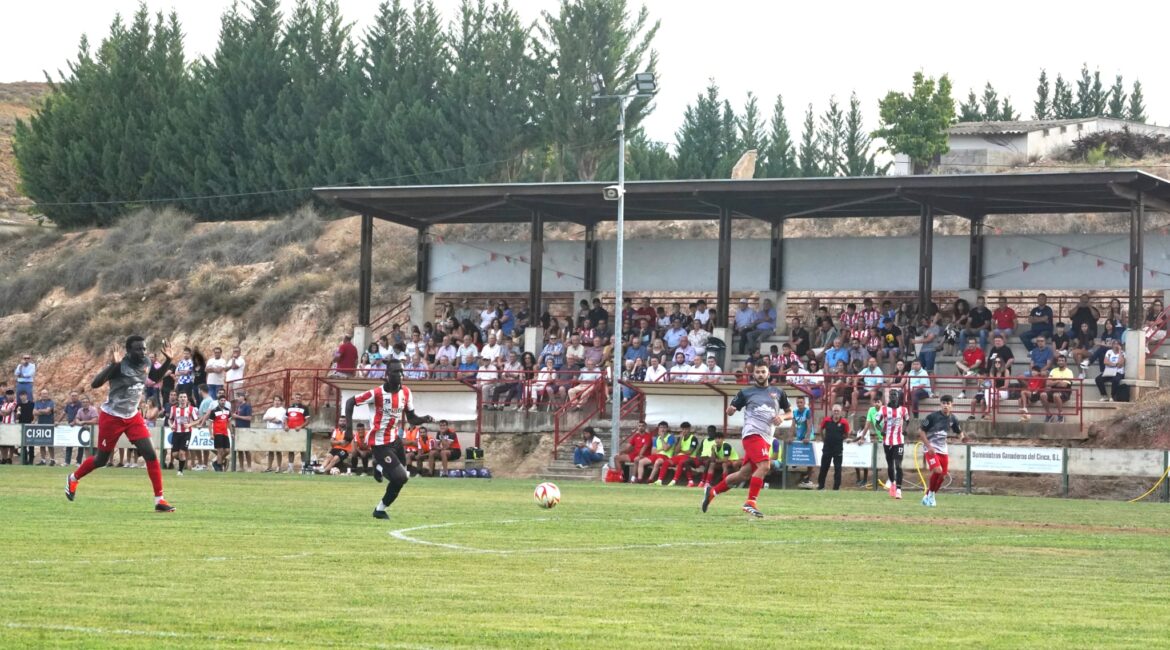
[(547, 495), (334, 471)]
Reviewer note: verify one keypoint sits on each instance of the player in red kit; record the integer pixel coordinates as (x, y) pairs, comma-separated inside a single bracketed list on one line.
[(392, 406), (120, 416), (220, 416), (764, 407)]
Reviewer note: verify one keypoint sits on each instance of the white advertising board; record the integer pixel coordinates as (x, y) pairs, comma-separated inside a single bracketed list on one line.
[(1036, 460)]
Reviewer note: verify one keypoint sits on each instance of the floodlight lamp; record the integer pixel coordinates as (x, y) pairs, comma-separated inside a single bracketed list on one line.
[(645, 83), (598, 83)]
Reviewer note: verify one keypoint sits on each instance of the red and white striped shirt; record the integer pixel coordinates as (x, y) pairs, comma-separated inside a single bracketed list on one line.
[(182, 418), (893, 425), (387, 413)]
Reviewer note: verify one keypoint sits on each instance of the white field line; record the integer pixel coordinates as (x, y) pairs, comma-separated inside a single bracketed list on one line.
[(164, 634), (403, 534), (166, 558)]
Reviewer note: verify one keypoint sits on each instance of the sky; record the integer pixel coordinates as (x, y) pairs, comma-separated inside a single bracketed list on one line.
[(808, 51)]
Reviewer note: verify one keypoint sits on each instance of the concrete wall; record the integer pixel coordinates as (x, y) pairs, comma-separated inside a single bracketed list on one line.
[(1014, 143), (837, 264)]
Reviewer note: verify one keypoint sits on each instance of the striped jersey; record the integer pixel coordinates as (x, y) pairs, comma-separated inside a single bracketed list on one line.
[(893, 421), (182, 418), (387, 412)]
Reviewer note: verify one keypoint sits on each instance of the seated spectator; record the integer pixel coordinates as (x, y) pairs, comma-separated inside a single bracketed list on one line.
[(836, 354), (589, 450), (445, 448), (415, 368), (870, 316), (487, 377), (658, 349), (634, 450), (1003, 320), (714, 372), (491, 350), (1003, 385), (1034, 384), (599, 313), (602, 330), (858, 355), (510, 386), (663, 321), (1059, 391), (892, 345), (704, 315), (811, 378), (468, 369), (645, 331), (697, 337), (873, 343), (842, 387), (1040, 319), (799, 337), (686, 349), (1114, 372), (584, 384), (595, 350), (1041, 355), (447, 349), (467, 348), (586, 332), (1000, 350), (635, 350), (646, 312), (633, 371), (871, 381), (554, 350), (546, 377), (1084, 344), (340, 449), (656, 372), (851, 322), (745, 322), (898, 381), (744, 376), (674, 336), (977, 324), (920, 384), (574, 354), (971, 364), (680, 371), (764, 327), (442, 369), (582, 313), (1060, 341)]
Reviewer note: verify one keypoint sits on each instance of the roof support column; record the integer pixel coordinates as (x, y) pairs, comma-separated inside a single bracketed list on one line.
[(591, 260), (536, 267), (776, 277), (975, 265), (723, 283), (925, 258), (1137, 218), (422, 280), (365, 270)]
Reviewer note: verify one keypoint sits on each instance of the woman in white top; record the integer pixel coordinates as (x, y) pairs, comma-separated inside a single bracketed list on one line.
[(810, 377), (544, 377), (275, 418), (698, 338), (1114, 370)]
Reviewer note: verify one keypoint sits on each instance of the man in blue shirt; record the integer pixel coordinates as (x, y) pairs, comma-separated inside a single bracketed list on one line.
[(44, 409), (675, 334), (836, 354), (635, 351), (765, 326), (1041, 355), (555, 349), (26, 373), (1041, 319), (745, 322), (804, 433)]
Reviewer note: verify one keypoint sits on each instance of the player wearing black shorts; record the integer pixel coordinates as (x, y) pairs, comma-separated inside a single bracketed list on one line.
[(392, 404)]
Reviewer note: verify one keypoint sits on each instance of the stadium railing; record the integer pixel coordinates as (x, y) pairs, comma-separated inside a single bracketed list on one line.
[(382, 323)]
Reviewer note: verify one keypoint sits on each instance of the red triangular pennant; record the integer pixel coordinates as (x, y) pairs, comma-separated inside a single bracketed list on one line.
[(1064, 251), (492, 257), (560, 275), (999, 231), (508, 259), (523, 259), (463, 268), (1165, 230), (1026, 265), (439, 238), (1153, 274), (1100, 263), (1125, 268)]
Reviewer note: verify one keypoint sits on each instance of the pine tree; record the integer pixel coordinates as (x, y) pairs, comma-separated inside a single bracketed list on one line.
[(1062, 101), (779, 157), (700, 140), (1041, 109), (584, 38), (832, 139), (1117, 97), (809, 154), (858, 161), (1098, 98), (751, 127), (1137, 107), (648, 160), (1007, 112), (990, 103), (970, 111)]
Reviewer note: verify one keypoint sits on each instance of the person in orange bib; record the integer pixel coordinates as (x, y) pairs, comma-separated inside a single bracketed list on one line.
[(340, 448)]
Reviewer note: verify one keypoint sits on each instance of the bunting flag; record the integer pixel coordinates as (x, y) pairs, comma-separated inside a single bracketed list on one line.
[(463, 268), (999, 231), (1100, 263), (1125, 268), (560, 275), (439, 238), (1165, 230), (1064, 251), (492, 257), (1026, 265), (523, 259), (508, 259), (1153, 274)]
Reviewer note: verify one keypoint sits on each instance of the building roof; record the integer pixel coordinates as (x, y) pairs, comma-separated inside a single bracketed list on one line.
[(1010, 127), (971, 195)]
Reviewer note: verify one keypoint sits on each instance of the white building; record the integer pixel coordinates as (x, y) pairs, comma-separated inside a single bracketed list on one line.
[(982, 147)]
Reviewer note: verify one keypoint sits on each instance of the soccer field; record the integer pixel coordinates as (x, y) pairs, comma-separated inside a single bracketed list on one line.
[(279, 561)]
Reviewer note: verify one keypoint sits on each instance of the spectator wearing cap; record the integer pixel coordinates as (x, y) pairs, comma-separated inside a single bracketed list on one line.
[(745, 321)]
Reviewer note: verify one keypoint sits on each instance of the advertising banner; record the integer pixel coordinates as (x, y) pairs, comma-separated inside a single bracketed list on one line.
[(1037, 460)]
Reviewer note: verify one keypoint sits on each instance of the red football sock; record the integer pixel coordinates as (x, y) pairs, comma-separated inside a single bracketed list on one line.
[(662, 472), (155, 473), (936, 482), (679, 472), (754, 487), (86, 468), (722, 486), (707, 477)]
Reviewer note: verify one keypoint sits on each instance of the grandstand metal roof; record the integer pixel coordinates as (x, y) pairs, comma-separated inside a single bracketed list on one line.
[(973, 195)]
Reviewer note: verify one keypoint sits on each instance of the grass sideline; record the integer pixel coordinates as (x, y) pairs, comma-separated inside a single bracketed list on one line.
[(276, 561)]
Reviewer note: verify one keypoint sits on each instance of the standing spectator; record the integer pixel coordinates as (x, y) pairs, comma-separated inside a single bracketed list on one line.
[(243, 414), (464, 311), (275, 417), (345, 358), (834, 430), (765, 325), (920, 384), (216, 371), (221, 431), (745, 321), (236, 366), (26, 374), (507, 319), (26, 414), (799, 338), (69, 416), (598, 313), (1084, 314), (486, 316), (1041, 320), (185, 375), (1003, 319), (44, 409), (1114, 371), (929, 342), (978, 324), (7, 416), (297, 418)]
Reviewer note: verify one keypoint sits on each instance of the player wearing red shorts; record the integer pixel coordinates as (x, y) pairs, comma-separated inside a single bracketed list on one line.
[(637, 448), (933, 435), (120, 416), (685, 455), (764, 407), (664, 445)]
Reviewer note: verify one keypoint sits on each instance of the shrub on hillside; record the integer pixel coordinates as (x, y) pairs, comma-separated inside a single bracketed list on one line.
[(274, 302), (1107, 145)]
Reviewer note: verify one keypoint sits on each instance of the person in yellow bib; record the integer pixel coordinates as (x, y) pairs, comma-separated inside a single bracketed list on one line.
[(685, 454), (664, 445), (726, 456), (706, 461)]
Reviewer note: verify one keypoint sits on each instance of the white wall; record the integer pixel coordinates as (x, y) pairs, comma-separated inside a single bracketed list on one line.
[(1012, 143), (837, 264)]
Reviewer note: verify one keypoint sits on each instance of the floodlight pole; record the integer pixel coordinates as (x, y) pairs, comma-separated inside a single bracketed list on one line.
[(643, 88)]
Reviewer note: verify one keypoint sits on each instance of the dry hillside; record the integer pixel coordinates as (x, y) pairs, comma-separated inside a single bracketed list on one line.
[(17, 101)]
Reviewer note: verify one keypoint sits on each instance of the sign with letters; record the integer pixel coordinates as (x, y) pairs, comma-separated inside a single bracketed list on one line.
[(36, 435), (853, 455), (1034, 460), (802, 454), (68, 435), (200, 439)]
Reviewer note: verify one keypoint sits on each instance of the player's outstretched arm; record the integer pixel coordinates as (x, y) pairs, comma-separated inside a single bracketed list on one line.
[(414, 419), (349, 404)]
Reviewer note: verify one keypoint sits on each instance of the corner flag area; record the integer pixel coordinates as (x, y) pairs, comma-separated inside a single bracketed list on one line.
[(282, 561)]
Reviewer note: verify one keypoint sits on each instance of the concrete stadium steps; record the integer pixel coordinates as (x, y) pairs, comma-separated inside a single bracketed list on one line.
[(564, 470)]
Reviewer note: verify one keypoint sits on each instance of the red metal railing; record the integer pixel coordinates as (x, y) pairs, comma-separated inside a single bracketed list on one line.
[(570, 418), (309, 382), (382, 323)]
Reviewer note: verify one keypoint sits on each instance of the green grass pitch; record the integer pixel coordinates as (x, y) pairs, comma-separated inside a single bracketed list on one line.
[(270, 561)]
